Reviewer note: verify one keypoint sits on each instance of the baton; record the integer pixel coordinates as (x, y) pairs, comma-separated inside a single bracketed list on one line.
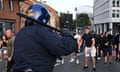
[(38, 22)]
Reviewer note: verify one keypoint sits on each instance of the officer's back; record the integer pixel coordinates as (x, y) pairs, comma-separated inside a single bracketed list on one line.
[(37, 47)]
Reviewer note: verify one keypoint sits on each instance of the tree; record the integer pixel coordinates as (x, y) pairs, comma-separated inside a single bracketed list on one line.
[(66, 20), (83, 20), (62, 18)]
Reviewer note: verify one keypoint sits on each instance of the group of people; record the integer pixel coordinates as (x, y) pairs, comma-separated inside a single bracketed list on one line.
[(98, 46), (107, 43), (6, 48), (3, 46)]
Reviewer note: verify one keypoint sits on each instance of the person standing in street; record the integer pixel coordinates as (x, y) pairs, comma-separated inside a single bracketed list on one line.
[(119, 47), (4, 46), (116, 45), (90, 49), (10, 35), (107, 48), (37, 47), (101, 46)]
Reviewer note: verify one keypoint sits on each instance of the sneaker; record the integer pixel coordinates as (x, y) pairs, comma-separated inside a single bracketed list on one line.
[(94, 69), (99, 58), (77, 61), (57, 64), (85, 67), (62, 62), (72, 60)]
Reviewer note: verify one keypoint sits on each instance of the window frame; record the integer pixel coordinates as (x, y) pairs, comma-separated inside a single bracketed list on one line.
[(113, 13), (11, 5), (2, 5)]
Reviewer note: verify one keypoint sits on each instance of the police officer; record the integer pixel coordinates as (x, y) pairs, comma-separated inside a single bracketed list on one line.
[(37, 46)]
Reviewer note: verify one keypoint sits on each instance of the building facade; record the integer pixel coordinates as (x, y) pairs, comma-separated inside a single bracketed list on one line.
[(106, 16), (8, 17)]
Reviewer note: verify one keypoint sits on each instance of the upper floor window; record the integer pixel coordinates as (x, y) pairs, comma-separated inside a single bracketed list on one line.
[(113, 13), (1, 4), (11, 5), (117, 14), (118, 3), (113, 3)]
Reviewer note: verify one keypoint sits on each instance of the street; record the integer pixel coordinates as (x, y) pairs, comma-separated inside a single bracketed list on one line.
[(100, 67), (73, 67), (3, 65)]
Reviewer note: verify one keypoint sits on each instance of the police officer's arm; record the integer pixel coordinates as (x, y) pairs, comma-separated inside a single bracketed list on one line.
[(58, 45)]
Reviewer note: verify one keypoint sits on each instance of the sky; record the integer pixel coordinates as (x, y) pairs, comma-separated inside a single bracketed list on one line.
[(68, 5)]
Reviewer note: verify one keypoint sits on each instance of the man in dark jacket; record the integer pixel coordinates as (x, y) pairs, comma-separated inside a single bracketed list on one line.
[(116, 45), (107, 48), (37, 46)]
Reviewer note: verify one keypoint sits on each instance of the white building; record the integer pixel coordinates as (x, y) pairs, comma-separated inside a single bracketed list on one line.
[(86, 9), (106, 16)]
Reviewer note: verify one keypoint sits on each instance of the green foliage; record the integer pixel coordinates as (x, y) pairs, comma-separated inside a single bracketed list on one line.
[(62, 19), (83, 20)]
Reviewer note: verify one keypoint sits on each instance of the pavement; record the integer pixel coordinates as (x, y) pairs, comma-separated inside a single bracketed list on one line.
[(100, 67)]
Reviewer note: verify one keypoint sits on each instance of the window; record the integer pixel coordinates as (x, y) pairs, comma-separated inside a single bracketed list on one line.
[(113, 13), (11, 5), (117, 14), (113, 3), (10, 25), (1, 29), (118, 3), (1, 4), (6, 25)]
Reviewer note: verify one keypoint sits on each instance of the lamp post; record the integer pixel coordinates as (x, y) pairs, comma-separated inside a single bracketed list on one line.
[(76, 18)]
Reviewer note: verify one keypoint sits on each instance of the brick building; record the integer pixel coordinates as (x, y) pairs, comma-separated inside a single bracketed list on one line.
[(8, 17)]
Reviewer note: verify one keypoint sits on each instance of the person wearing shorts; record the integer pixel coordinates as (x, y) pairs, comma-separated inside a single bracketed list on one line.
[(90, 49), (92, 53)]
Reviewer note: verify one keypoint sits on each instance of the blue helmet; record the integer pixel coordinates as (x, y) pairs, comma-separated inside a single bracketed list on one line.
[(38, 12)]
